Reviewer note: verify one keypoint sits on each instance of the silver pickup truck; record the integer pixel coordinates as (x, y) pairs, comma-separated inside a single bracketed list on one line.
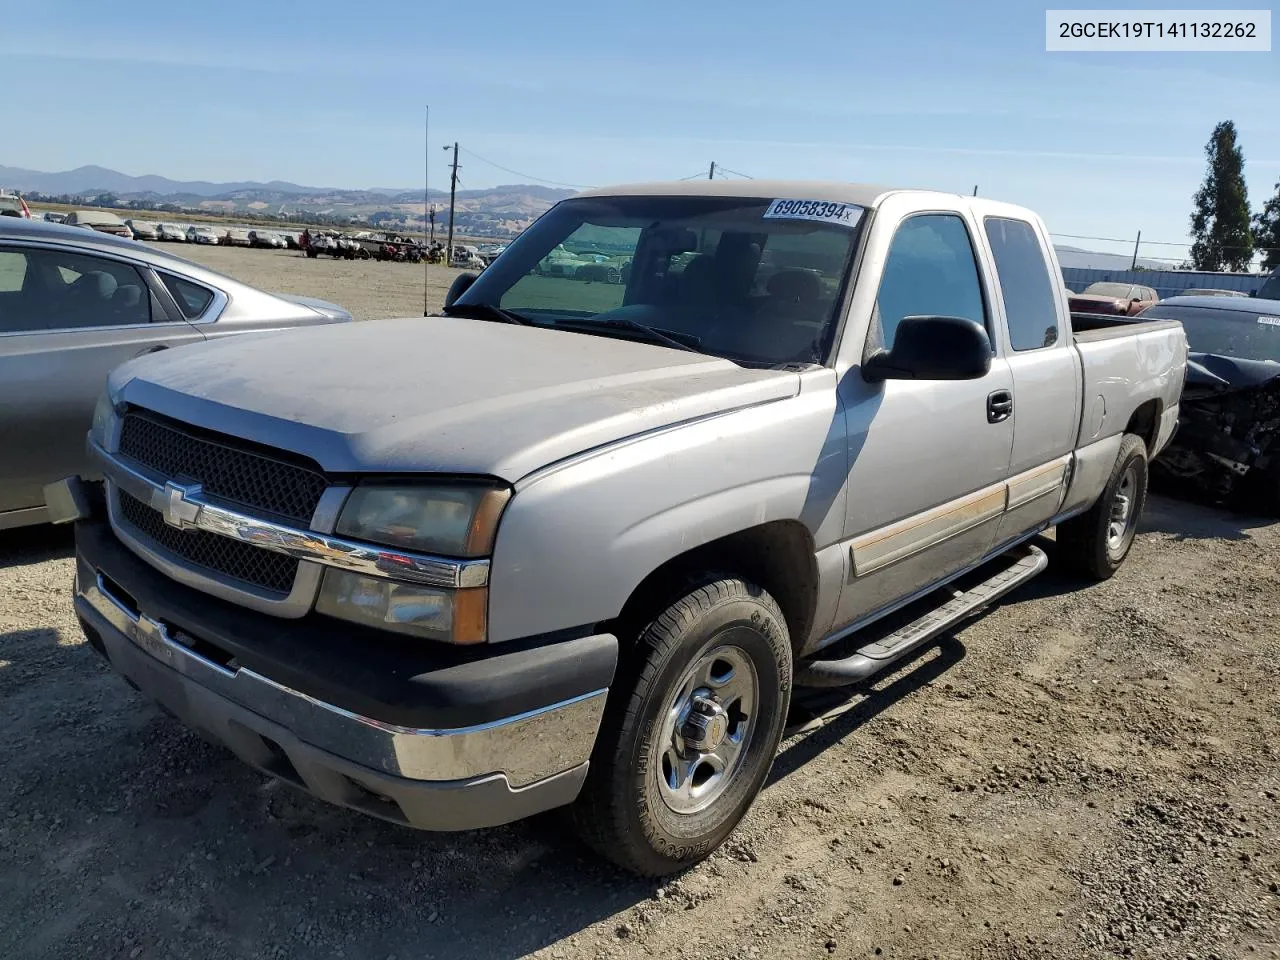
[(573, 542)]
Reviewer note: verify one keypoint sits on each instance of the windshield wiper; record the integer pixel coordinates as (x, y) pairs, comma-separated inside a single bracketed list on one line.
[(487, 311), (652, 334)]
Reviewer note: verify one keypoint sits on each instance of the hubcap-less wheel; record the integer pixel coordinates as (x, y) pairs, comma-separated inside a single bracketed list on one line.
[(1124, 517), (707, 728)]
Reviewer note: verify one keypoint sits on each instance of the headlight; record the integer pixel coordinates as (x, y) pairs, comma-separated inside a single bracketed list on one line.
[(103, 414), (457, 521), (454, 616)]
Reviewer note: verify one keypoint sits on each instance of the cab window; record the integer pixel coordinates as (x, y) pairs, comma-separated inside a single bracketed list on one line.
[(930, 271), (1030, 304)]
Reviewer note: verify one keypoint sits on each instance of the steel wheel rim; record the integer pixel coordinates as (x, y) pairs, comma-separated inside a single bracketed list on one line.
[(707, 727), (1124, 514)]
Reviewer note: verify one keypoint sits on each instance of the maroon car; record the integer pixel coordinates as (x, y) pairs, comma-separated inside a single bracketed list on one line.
[(1117, 299)]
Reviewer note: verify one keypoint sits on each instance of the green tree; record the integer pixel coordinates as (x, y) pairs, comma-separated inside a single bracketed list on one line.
[(1266, 231), (1220, 221)]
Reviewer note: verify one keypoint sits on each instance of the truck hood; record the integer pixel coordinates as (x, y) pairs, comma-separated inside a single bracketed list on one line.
[(438, 394)]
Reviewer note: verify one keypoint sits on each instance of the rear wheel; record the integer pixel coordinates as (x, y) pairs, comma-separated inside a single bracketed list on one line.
[(1096, 542), (691, 729)]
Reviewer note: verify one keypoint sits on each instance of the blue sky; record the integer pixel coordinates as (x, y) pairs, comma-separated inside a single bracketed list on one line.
[(937, 94)]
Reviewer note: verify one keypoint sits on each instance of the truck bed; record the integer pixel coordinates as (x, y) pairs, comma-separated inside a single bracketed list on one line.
[(1091, 327)]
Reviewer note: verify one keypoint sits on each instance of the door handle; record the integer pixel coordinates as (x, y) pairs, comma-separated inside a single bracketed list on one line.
[(999, 406)]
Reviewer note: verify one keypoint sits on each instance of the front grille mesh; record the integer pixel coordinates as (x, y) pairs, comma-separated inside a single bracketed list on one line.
[(264, 569), (260, 483)]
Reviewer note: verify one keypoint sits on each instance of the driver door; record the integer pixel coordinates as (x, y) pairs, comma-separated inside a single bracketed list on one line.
[(928, 458)]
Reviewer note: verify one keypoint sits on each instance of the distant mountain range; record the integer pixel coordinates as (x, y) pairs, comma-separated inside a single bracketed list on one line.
[(496, 211)]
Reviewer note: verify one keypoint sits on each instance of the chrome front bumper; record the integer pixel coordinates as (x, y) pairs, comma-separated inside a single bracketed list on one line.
[(436, 779)]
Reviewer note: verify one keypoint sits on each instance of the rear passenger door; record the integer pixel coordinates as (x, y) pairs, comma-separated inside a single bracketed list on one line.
[(1046, 374), (67, 317)]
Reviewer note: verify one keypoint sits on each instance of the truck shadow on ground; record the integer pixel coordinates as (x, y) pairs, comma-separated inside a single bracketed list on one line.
[(845, 709), (1191, 520), (35, 545)]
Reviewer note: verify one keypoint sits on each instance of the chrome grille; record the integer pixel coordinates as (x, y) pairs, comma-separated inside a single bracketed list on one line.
[(257, 482), (263, 569)]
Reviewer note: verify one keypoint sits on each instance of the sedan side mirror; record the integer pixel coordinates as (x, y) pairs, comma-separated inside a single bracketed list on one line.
[(932, 348), (461, 284)]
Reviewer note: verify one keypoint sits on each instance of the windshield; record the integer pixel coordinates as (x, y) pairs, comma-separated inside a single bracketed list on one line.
[(1242, 334), (1271, 289), (1118, 290), (752, 280)]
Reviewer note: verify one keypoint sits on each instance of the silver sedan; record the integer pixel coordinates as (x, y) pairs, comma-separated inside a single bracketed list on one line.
[(75, 304)]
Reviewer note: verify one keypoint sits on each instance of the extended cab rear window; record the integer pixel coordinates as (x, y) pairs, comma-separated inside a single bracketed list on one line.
[(1030, 304), (193, 299)]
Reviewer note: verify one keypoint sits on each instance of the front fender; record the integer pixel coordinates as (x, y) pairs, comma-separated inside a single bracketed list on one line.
[(580, 536)]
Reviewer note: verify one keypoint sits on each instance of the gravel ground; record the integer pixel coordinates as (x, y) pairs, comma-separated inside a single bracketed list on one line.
[(1085, 772)]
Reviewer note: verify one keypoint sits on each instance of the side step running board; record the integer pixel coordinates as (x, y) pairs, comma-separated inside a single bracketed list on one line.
[(1017, 567)]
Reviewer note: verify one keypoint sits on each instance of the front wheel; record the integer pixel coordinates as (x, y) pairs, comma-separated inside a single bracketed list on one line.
[(691, 729), (1096, 542)]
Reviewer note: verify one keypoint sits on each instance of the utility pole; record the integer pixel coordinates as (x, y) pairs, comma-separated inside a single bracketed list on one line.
[(711, 174), (1134, 265), (431, 216), (453, 190), (426, 208)]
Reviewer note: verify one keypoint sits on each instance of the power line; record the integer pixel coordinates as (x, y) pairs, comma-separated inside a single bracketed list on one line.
[(527, 176), (1160, 243)]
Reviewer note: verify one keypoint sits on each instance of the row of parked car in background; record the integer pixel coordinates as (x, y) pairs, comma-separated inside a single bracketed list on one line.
[(365, 245)]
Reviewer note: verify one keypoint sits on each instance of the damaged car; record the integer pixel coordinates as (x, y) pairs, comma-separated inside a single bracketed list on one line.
[(1228, 441)]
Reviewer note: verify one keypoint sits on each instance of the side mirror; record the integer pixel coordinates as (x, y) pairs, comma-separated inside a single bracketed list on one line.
[(461, 284), (932, 348)]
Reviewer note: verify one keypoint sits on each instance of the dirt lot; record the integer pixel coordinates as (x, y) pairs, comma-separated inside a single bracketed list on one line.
[(368, 288), (1086, 772)]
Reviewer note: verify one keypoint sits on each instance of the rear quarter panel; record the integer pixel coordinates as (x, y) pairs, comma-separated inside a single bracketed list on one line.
[(1124, 367)]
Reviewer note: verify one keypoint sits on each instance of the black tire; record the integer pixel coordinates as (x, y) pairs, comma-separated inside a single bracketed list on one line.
[(622, 812), (1086, 543), (312, 254)]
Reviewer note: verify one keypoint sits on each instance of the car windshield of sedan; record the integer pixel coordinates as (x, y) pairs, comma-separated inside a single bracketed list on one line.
[(1242, 334), (754, 280)]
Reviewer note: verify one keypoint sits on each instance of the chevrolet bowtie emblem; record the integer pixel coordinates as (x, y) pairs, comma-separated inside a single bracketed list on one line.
[(176, 504)]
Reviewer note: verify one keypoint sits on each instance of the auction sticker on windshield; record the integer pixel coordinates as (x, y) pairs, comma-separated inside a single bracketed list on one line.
[(822, 211)]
